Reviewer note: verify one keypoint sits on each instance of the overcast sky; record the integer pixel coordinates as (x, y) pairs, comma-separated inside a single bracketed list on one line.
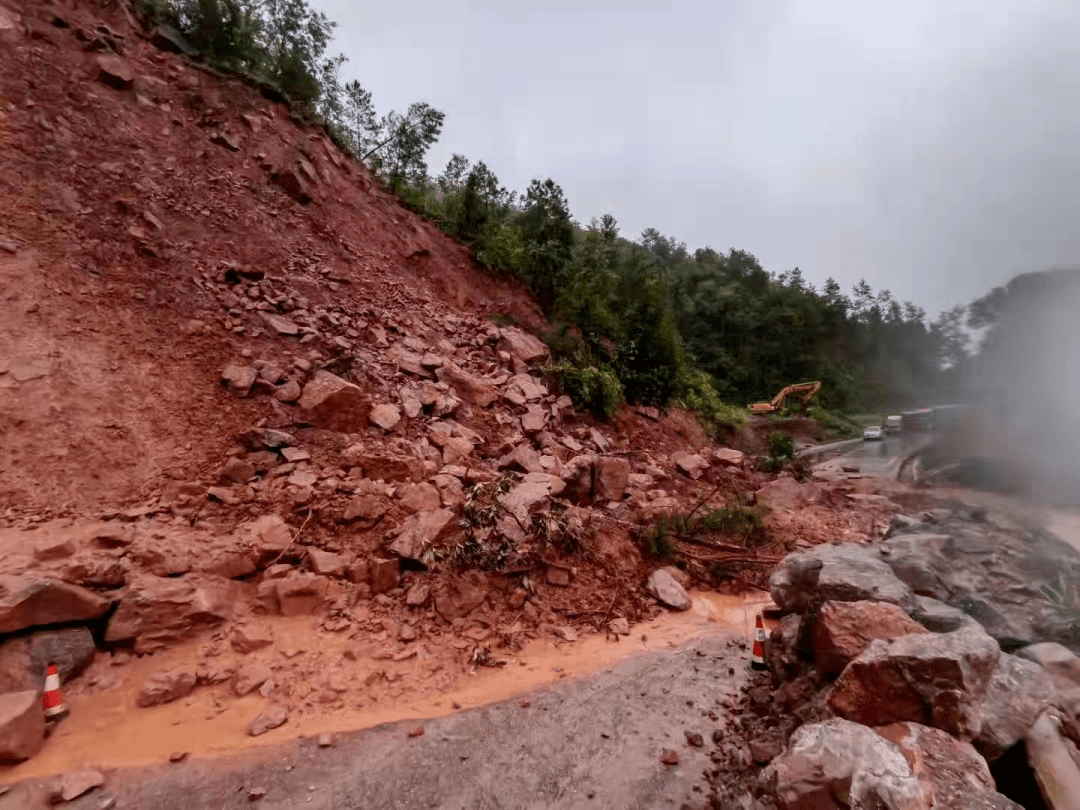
[(929, 146)]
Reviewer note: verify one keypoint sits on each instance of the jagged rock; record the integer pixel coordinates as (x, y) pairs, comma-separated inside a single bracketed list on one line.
[(298, 594), (420, 498), (842, 630), (290, 391), (522, 459), (326, 563), (165, 687), (952, 772), (1019, 692), (239, 379), (227, 139), (418, 595), (268, 536), (577, 475), (619, 627), (936, 679), (519, 343), (385, 466), (31, 600), (280, 324), (157, 611), (469, 387), (271, 717), (782, 649), (24, 659), (456, 450), (458, 597), (417, 533), (787, 493), (236, 471), (115, 72), (534, 420), (937, 616), (74, 784), (839, 764), (667, 590), (22, 725), (53, 548), (384, 575), (690, 463), (728, 457), (524, 388), (366, 508), (385, 416), (334, 404), (409, 362), (250, 677), (611, 477), (846, 573), (266, 439), (297, 180), (248, 638), (1059, 662)]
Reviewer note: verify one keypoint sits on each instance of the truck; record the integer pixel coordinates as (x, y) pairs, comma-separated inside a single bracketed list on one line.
[(893, 423)]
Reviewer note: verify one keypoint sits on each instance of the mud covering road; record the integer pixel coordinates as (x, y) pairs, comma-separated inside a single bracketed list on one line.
[(596, 742)]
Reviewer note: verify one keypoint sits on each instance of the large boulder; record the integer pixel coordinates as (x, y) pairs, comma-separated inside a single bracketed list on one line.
[(22, 725), (839, 764), (522, 458), (332, 403), (844, 629), (468, 386), (1059, 662), (418, 532), (847, 573), (1018, 693), (782, 654), (952, 772), (935, 679), (520, 344), (31, 600), (690, 464), (611, 478), (155, 612), (457, 597), (667, 590), (24, 659), (937, 616)]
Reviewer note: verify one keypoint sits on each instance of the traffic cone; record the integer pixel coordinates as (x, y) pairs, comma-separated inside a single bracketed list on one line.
[(52, 701), (757, 660)]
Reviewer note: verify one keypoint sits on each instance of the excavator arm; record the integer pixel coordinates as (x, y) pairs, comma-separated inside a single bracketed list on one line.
[(805, 391)]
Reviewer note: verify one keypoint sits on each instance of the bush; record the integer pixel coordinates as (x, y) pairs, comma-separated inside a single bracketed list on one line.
[(593, 388), (698, 395), (781, 445)]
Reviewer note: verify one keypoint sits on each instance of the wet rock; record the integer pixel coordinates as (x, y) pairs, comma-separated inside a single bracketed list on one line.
[(74, 784), (670, 757), (299, 594), (522, 459), (839, 764), (326, 563), (155, 612), (611, 478), (418, 595), (332, 403), (522, 389), (54, 548), (239, 379), (296, 179), (846, 573), (115, 72), (247, 638), (416, 730), (952, 772), (935, 679), (787, 493), (165, 687), (31, 600), (407, 633), (22, 725), (620, 627), (420, 498), (386, 466), (227, 139), (250, 677), (666, 589), (558, 575), (418, 532), (534, 420), (271, 717), (368, 509), (782, 649), (691, 464), (290, 391), (728, 457), (384, 575), (24, 659), (470, 388), (385, 416), (525, 347), (457, 598), (268, 536), (577, 476), (937, 616), (1059, 662), (325, 740), (1019, 692), (844, 629), (280, 324), (256, 793)]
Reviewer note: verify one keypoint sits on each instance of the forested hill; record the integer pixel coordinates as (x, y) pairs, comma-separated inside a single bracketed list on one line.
[(645, 319)]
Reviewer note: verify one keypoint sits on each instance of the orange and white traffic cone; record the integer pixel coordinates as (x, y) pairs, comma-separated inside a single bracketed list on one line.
[(757, 660), (52, 701)]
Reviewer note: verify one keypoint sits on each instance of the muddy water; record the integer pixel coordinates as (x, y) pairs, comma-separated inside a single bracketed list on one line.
[(107, 730)]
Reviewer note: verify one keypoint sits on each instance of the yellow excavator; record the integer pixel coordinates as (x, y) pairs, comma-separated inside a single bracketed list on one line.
[(805, 391)]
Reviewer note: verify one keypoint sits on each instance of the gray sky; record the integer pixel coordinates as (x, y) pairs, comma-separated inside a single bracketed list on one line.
[(930, 146)]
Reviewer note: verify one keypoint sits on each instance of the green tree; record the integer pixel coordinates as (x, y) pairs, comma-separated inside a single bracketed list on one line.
[(548, 234)]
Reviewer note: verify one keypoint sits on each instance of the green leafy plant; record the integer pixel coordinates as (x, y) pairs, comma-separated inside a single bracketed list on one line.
[(699, 395), (593, 388), (554, 530)]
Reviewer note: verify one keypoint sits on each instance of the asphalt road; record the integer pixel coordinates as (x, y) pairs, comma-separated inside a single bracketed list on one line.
[(591, 743)]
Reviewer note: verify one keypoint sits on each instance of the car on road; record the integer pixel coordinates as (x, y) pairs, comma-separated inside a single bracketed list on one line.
[(873, 434)]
